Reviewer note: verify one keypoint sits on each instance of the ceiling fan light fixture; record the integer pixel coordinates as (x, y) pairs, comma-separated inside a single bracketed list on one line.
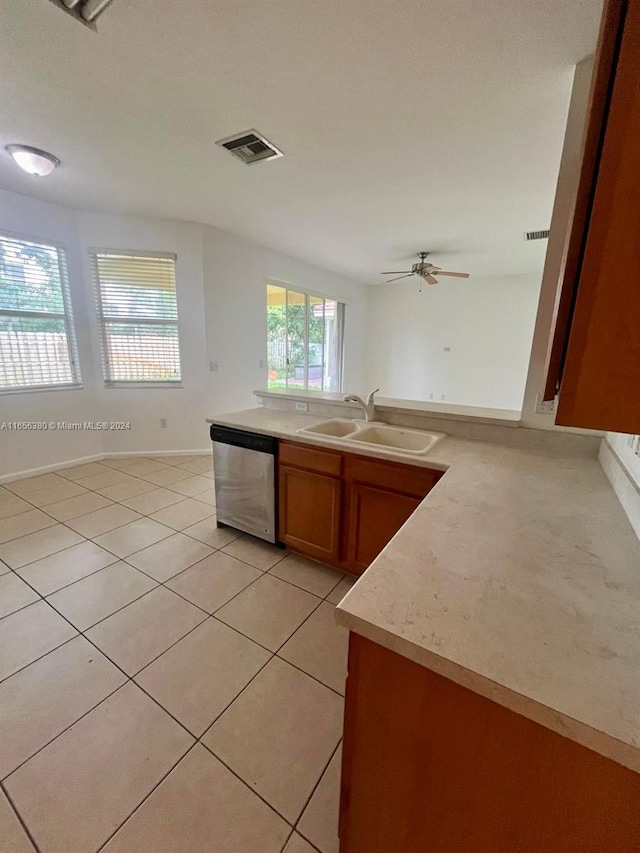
[(425, 270), (35, 161)]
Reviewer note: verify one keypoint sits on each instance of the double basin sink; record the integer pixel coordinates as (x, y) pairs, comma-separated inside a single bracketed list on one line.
[(416, 442)]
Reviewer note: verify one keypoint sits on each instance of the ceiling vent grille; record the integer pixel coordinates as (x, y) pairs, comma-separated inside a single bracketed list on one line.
[(536, 235), (85, 11), (250, 147)]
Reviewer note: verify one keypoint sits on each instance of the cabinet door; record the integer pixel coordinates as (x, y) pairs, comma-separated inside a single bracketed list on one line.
[(375, 516), (600, 387), (310, 512)]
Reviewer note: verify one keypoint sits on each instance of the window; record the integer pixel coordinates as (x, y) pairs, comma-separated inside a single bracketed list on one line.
[(304, 340), (37, 340), (138, 317)]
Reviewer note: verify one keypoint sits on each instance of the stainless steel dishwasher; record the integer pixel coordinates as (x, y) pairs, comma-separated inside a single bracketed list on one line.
[(244, 474)]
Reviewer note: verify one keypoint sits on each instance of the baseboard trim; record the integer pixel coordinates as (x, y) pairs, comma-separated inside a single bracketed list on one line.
[(47, 469), (121, 455), (622, 483), (96, 457)]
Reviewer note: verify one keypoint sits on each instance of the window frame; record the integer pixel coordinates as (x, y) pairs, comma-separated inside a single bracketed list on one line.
[(308, 294), (101, 320), (66, 316)]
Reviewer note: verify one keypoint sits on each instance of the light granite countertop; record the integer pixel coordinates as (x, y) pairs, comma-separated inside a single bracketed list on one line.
[(518, 577)]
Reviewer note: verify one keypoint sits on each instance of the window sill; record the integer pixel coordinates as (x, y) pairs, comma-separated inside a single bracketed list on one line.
[(138, 385), (42, 389)]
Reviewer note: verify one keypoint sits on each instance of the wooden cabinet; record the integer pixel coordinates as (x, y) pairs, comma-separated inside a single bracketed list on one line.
[(428, 765), (374, 516), (342, 508), (380, 496), (595, 356), (310, 506)]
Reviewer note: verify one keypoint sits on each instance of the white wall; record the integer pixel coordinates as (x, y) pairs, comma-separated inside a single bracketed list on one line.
[(21, 451), (184, 408), (622, 467), (487, 324), (236, 273), (561, 221), (221, 288)]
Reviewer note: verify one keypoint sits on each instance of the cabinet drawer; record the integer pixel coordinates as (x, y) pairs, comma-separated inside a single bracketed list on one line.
[(311, 458), (391, 475)]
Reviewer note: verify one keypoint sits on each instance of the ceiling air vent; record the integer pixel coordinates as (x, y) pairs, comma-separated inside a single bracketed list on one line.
[(536, 235), (250, 147), (85, 11)]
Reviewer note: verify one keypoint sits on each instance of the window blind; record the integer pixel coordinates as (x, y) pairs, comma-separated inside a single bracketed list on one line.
[(37, 339), (138, 317)]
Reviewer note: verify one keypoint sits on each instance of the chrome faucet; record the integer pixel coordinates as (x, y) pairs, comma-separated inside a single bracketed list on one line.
[(369, 408)]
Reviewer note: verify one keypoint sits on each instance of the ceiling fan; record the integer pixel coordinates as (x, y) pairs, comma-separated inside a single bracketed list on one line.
[(425, 270)]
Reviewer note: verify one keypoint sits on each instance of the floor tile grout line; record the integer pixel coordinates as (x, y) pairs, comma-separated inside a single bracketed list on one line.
[(119, 503), (114, 502), (246, 784), (44, 654), (128, 678), (308, 674), (19, 817), (287, 840), (138, 671), (71, 583), (198, 738), (157, 785), (99, 621), (293, 553), (306, 619), (202, 622), (125, 559), (275, 654), (208, 615), (66, 728), (237, 696), (89, 539), (174, 531), (212, 615), (315, 788), (159, 583), (57, 472), (140, 804)]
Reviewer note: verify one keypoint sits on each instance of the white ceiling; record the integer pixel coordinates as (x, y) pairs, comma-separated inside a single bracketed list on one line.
[(406, 125)]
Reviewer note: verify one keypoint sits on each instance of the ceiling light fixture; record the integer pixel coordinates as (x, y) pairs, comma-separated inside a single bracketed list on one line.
[(33, 160)]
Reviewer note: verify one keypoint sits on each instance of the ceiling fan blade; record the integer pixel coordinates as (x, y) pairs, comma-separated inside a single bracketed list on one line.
[(389, 280), (455, 274), (430, 279), (395, 272)]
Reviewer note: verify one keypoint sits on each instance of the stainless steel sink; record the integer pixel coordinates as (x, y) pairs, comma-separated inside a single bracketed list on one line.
[(336, 428), (396, 438), (413, 441)]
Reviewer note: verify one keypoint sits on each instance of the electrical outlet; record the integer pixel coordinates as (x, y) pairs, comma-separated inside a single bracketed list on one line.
[(213, 366), (163, 423), (302, 407)]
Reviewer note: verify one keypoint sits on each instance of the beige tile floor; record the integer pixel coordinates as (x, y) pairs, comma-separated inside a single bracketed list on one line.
[(166, 686)]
